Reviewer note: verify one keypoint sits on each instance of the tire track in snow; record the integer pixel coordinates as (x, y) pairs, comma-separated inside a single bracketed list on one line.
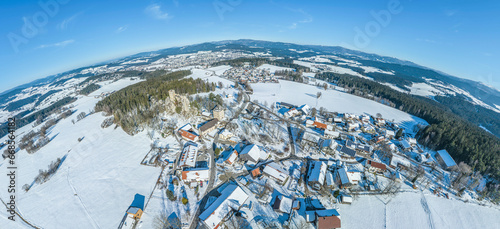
[(92, 221), (427, 211)]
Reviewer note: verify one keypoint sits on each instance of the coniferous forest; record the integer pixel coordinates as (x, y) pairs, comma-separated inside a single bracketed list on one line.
[(135, 104)]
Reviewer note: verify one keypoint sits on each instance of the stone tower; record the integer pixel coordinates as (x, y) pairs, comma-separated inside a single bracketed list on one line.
[(218, 113)]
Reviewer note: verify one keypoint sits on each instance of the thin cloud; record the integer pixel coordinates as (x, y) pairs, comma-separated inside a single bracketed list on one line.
[(426, 40), (155, 11), (121, 29), (294, 25), (58, 44), (307, 18), (68, 21), (450, 13)]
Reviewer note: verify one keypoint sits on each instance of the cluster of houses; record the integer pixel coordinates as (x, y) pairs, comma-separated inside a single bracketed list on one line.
[(250, 74), (192, 170), (338, 134), (354, 136)]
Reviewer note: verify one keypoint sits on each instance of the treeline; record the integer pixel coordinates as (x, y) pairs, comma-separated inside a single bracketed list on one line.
[(46, 95), (134, 105), (290, 75), (476, 114), (287, 62), (462, 139), (123, 74), (39, 115), (19, 103), (89, 89)]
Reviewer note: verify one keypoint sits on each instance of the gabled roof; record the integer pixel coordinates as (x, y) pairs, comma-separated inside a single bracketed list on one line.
[(376, 165), (350, 144), (310, 137), (208, 125), (189, 155), (274, 170), (283, 204), (329, 221), (405, 144), (251, 151), (348, 151), (447, 159), (133, 210), (232, 197), (317, 172)]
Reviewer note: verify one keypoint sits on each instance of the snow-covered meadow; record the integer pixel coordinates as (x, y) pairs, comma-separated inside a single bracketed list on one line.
[(97, 179)]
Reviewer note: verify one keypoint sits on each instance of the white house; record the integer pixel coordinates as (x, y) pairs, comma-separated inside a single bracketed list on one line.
[(331, 134), (275, 171), (225, 134), (195, 174), (317, 173), (232, 198), (445, 159), (189, 155), (282, 204), (347, 179), (389, 134), (405, 145), (253, 154), (305, 109), (330, 180)]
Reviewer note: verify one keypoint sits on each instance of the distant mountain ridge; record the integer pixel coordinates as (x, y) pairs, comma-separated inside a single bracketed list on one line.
[(403, 74)]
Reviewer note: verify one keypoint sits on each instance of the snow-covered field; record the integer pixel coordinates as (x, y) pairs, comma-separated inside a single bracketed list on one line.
[(206, 75), (219, 70), (95, 183), (332, 100), (424, 89), (273, 68), (415, 210)]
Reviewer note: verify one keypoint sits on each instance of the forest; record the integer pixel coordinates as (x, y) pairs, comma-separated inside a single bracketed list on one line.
[(39, 115), (89, 89), (287, 62), (462, 139), (135, 105)]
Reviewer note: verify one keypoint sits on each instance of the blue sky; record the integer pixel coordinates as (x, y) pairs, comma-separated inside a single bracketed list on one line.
[(456, 37)]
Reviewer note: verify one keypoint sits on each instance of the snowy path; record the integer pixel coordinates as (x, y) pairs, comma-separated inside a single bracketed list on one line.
[(92, 221), (425, 206)]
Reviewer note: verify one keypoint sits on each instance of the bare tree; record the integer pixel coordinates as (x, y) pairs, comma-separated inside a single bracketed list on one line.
[(162, 221), (237, 222), (460, 181), (80, 116), (226, 176)]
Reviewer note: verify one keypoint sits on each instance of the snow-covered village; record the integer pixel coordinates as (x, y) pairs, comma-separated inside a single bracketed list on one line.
[(256, 150)]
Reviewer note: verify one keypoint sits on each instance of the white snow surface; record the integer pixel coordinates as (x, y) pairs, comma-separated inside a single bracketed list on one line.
[(219, 70), (96, 182), (298, 94), (273, 68), (415, 210), (424, 89)]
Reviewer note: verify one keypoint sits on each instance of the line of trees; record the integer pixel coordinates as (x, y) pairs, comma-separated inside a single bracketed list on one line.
[(89, 89), (39, 115), (239, 62)]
